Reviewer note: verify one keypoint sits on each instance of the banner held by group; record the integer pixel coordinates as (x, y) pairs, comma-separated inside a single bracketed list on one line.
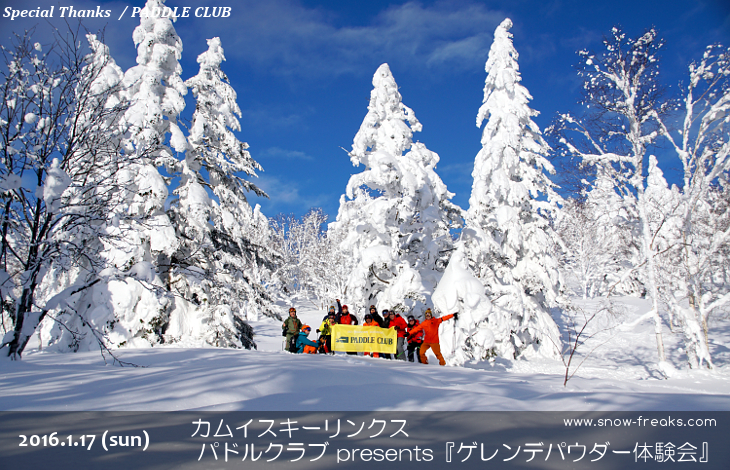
[(351, 338)]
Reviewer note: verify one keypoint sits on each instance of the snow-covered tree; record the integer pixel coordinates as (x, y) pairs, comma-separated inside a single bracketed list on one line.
[(155, 92), (622, 98), (139, 238), (131, 305), (289, 240), (241, 234), (154, 86), (694, 269), (216, 266), (396, 215), (615, 216), (300, 240), (508, 240), (313, 268), (596, 233), (334, 270), (60, 117), (74, 291), (473, 336), (683, 236), (586, 246)]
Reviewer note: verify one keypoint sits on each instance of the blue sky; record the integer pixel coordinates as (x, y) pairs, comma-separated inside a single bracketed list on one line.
[(303, 69)]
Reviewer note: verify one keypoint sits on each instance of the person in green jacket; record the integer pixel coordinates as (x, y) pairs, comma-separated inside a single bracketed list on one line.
[(291, 325)]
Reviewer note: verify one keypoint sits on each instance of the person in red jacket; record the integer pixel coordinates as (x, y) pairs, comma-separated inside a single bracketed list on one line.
[(415, 341), (430, 328), (397, 322), (344, 317)]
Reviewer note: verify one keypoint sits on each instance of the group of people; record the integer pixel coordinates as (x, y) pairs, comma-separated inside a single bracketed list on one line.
[(412, 335)]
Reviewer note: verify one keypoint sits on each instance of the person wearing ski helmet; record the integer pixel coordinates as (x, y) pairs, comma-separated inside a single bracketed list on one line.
[(292, 325), (330, 313), (304, 344)]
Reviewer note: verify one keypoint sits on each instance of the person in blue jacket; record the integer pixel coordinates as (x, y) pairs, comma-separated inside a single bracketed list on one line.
[(304, 344)]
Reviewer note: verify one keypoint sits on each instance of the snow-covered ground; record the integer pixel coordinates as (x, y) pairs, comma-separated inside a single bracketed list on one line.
[(619, 375)]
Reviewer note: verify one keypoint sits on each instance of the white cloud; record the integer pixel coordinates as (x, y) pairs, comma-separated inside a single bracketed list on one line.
[(464, 50), (287, 196), (289, 38), (277, 152), (458, 172), (273, 117)]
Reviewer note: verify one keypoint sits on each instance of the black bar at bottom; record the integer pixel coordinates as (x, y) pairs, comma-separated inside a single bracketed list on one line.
[(364, 440)]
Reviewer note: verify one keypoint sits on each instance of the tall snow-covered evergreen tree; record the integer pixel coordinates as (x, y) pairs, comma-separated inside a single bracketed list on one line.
[(139, 237), (155, 91), (220, 265), (508, 239), (396, 215)]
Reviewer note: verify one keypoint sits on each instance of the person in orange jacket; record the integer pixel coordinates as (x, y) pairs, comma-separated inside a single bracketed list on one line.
[(370, 321), (430, 327)]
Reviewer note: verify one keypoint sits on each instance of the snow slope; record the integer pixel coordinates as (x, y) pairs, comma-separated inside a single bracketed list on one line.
[(619, 375)]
